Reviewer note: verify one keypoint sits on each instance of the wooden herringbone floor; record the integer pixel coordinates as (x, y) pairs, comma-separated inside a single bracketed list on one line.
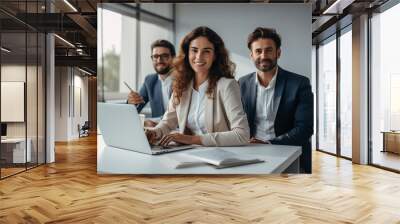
[(70, 191)]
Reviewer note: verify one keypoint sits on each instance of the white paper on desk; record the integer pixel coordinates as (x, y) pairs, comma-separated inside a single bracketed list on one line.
[(178, 161), (222, 158)]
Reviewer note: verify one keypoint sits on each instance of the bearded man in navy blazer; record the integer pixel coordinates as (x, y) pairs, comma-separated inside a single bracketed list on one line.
[(278, 103), (157, 87)]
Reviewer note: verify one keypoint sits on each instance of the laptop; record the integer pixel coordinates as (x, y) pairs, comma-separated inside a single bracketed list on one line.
[(121, 127)]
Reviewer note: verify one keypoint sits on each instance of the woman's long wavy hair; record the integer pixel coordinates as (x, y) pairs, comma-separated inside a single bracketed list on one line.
[(222, 66)]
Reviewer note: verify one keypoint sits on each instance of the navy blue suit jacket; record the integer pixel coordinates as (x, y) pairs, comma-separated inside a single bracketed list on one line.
[(294, 119), (151, 92)]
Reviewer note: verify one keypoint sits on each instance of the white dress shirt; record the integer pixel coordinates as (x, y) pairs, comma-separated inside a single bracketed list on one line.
[(265, 110), (195, 120), (166, 88)]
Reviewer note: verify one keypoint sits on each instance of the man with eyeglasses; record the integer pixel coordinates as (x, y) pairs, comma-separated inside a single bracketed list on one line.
[(157, 87)]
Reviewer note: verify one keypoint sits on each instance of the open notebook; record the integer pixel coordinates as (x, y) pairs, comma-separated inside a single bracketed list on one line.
[(217, 157)]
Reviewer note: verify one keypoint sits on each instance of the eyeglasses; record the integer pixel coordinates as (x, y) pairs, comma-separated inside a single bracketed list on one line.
[(162, 57)]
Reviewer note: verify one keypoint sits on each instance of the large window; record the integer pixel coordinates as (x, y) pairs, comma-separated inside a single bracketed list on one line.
[(385, 88), (327, 95), (314, 90), (334, 100), (346, 93), (125, 33), (116, 63)]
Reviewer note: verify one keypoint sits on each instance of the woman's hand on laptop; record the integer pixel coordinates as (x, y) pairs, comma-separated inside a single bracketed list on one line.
[(150, 123), (151, 136), (180, 138)]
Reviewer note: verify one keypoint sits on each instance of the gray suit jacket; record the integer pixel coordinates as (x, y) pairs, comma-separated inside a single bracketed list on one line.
[(294, 121)]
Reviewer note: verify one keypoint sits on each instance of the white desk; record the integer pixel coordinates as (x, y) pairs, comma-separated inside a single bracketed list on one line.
[(18, 149), (277, 158)]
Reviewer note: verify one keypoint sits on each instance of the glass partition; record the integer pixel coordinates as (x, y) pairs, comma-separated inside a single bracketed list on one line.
[(41, 97), (31, 98), (22, 87), (327, 96), (13, 105)]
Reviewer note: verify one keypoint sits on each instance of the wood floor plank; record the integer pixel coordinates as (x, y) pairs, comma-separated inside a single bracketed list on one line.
[(70, 191)]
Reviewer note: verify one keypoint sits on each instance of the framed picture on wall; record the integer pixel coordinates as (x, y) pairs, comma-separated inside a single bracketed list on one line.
[(12, 101)]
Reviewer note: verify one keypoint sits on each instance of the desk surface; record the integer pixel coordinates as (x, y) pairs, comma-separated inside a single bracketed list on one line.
[(391, 132), (13, 140), (112, 160)]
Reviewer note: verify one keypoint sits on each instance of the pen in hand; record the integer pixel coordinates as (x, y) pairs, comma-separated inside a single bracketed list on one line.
[(133, 97), (126, 84)]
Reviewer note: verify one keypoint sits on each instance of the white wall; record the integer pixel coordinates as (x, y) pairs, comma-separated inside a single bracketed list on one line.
[(80, 83), (234, 22), (61, 103), (69, 82)]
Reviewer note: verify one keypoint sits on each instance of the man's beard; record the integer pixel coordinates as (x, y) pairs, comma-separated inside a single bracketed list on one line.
[(163, 70), (272, 64)]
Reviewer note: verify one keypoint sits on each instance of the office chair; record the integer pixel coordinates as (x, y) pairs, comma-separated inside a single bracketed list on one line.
[(84, 130)]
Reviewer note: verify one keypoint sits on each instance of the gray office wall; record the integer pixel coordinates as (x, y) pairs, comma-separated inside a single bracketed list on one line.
[(233, 22)]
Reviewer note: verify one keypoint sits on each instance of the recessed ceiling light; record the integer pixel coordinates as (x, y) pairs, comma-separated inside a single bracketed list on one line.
[(5, 50), (64, 40), (70, 5), (337, 7), (84, 71)]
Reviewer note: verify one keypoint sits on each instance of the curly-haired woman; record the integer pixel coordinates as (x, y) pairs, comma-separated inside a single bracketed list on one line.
[(206, 103)]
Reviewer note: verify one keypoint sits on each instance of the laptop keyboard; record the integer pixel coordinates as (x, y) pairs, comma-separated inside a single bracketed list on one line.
[(170, 148), (159, 147)]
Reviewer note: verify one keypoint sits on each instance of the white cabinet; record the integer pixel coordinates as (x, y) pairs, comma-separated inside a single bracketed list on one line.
[(15, 147)]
